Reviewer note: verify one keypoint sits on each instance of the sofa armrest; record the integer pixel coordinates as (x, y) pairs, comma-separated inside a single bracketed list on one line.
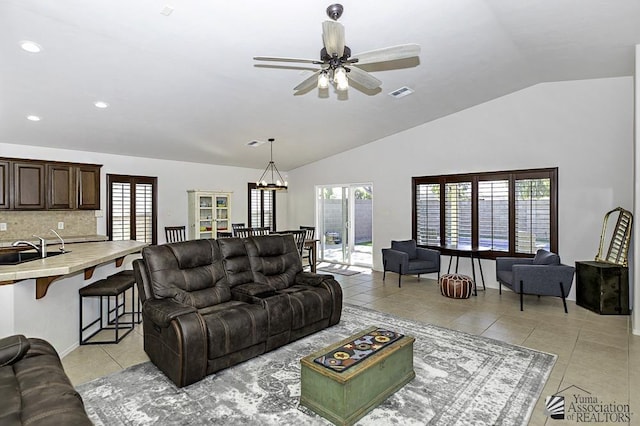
[(162, 311), (311, 278), (12, 349), (395, 260)]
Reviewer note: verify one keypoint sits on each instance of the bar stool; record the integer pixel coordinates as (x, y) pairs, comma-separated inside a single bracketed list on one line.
[(114, 286)]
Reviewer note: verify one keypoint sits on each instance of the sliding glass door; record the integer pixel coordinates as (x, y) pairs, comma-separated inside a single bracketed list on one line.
[(345, 224)]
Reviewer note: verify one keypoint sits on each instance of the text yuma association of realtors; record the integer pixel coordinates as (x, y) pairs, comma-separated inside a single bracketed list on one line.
[(590, 409)]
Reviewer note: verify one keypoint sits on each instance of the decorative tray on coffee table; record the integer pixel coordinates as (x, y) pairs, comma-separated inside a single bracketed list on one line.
[(358, 349)]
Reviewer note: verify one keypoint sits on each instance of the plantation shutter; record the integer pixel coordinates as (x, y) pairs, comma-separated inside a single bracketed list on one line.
[(428, 213), (120, 211), (144, 212), (457, 210), (533, 214), (493, 214)]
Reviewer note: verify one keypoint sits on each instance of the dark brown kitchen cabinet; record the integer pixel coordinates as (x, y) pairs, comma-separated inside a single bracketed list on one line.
[(60, 186), (28, 186), (5, 186), (88, 187)]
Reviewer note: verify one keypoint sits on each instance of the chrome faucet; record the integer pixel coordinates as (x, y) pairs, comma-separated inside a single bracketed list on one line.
[(43, 246), (61, 241), (42, 251)]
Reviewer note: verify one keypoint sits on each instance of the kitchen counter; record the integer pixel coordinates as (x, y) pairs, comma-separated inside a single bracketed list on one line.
[(80, 257)]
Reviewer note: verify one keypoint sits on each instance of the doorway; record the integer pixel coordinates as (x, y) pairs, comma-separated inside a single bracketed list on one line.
[(345, 223)]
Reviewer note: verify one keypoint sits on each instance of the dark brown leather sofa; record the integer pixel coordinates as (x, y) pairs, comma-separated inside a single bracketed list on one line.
[(211, 304), (34, 389)]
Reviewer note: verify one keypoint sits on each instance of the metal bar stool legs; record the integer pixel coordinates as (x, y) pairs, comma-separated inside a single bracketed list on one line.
[(114, 286)]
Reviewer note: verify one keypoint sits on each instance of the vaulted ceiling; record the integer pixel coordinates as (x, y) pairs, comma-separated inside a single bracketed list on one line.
[(183, 85)]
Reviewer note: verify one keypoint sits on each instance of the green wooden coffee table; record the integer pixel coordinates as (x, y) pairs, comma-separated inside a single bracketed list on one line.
[(343, 397)]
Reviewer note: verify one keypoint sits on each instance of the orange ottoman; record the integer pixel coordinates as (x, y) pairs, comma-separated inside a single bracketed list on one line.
[(456, 286)]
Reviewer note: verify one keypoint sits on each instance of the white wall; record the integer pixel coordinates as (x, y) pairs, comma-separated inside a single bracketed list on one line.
[(585, 128)]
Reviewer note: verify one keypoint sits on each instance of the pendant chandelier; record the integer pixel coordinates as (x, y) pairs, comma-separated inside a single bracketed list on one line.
[(271, 171)]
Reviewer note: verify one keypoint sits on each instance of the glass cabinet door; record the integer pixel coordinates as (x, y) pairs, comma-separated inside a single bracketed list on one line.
[(206, 216), (222, 213)]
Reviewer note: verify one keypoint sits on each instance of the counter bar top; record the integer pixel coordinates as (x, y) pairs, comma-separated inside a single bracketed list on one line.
[(80, 257)]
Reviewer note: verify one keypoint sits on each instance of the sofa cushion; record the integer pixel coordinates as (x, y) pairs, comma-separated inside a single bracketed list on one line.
[(189, 272), (421, 265), (407, 246), (237, 327), (236, 261), (12, 349), (544, 257), (275, 260)]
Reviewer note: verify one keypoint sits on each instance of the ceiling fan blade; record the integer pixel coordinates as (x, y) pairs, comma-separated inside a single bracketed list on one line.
[(363, 78), (275, 59), (388, 54), (309, 82), (333, 37)]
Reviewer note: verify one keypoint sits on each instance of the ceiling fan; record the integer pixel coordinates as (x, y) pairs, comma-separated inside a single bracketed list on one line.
[(337, 66)]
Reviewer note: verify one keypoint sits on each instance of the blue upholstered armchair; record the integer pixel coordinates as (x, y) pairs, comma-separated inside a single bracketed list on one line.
[(406, 258), (543, 275)]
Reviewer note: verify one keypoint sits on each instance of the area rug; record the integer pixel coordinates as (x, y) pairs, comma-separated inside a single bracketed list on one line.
[(338, 270), (461, 379)]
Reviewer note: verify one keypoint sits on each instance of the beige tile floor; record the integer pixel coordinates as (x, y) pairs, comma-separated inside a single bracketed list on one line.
[(596, 353)]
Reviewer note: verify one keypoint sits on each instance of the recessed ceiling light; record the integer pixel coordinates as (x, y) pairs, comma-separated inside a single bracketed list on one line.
[(33, 118), (101, 104), (30, 46)]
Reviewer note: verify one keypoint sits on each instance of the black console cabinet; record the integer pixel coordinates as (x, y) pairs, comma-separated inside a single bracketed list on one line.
[(602, 287)]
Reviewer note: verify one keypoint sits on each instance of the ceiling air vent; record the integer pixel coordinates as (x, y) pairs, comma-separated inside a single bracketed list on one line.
[(401, 92)]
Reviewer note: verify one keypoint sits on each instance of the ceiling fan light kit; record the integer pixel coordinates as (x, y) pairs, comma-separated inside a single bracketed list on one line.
[(337, 66), (271, 171)]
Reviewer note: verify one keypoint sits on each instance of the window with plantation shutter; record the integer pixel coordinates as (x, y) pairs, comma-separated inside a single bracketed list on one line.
[(262, 208), (132, 208), (510, 212)]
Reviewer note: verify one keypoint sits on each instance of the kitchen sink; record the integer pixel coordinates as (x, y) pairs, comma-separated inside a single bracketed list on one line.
[(17, 257)]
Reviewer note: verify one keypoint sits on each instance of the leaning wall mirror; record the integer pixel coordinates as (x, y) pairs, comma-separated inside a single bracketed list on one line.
[(618, 237)]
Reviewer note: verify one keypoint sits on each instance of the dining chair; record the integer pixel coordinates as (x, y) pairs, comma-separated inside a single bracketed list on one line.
[(298, 236), (260, 230), (235, 226), (310, 234), (242, 232), (175, 234)]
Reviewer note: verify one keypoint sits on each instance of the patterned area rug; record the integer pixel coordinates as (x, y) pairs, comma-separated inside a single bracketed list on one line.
[(461, 379)]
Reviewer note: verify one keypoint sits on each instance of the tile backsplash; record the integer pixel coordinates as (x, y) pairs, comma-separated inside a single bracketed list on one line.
[(24, 224)]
